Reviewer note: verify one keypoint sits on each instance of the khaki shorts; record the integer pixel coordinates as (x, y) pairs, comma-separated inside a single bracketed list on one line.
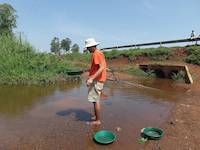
[(94, 91)]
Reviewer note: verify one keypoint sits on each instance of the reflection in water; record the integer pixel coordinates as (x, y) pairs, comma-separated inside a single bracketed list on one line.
[(69, 85), (55, 116), (16, 99)]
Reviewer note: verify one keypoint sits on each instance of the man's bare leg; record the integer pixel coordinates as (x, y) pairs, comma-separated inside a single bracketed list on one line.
[(96, 118)]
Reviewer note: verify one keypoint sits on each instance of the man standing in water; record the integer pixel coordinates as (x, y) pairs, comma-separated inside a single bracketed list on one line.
[(97, 77)]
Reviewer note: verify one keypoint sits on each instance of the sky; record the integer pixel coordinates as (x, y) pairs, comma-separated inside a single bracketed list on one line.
[(110, 22)]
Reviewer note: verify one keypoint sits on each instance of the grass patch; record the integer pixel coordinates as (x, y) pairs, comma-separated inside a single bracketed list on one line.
[(194, 55), (138, 72), (21, 64), (160, 53)]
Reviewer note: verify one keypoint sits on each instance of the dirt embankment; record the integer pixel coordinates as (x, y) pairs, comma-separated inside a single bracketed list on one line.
[(182, 128)]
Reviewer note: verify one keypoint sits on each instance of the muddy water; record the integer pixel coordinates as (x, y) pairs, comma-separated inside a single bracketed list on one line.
[(54, 117)]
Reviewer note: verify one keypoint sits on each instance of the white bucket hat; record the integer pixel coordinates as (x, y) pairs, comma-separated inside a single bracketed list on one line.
[(91, 42)]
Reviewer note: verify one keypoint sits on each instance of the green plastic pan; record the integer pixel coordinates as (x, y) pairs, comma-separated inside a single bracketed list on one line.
[(104, 137), (152, 133)]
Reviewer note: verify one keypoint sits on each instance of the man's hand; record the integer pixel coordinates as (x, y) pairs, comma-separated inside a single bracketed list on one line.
[(89, 81), (108, 69)]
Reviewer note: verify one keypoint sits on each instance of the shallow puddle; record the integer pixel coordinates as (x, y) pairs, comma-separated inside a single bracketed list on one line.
[(54, 117)]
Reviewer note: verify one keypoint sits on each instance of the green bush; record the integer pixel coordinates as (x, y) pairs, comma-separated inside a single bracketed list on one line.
[(112, 53), (21, 64), (194, 55)]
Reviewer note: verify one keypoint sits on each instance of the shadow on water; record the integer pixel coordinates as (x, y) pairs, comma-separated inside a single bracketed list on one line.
[(80, 114)]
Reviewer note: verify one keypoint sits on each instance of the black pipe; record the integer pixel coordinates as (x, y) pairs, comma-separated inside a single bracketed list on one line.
[(155, 43)]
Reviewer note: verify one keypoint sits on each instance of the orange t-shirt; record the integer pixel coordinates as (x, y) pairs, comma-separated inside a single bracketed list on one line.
[(98, 58)]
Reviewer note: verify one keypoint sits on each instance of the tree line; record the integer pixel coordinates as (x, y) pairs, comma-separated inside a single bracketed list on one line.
[(64, 46)]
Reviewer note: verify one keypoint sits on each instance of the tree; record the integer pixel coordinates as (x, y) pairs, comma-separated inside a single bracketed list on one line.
[(7, 19), (75, 48), (65, 44), (55, 45)]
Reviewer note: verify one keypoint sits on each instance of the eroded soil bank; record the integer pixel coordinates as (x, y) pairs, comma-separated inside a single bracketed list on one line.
[(183, 125)]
